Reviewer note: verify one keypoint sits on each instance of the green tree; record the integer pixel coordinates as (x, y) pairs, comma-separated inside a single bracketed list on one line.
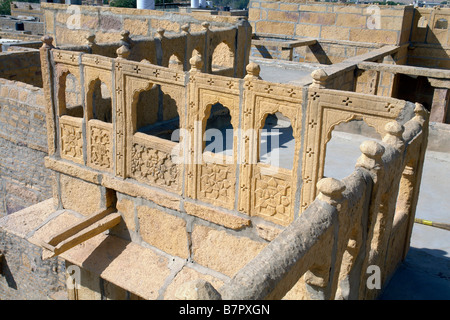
[(5, 7), (123, 3)]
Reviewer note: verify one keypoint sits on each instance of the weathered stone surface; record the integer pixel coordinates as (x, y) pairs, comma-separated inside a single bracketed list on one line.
[(188, 275), (267, 232), (136, 27), (126, 208), (220, 217), (198, 289), (155, 226), (28, 219), (123, 263), (80, 196), (54, 226), (216, 249)]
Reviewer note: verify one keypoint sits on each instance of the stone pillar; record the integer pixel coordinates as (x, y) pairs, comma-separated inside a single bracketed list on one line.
[(439, 106)]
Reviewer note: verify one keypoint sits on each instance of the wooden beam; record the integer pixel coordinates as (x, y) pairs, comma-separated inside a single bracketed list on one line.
[(74, 235), (403, 69), (285, 44), (74, 229)]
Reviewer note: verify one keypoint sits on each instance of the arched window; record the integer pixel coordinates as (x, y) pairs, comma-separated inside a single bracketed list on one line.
[(70, 102), (277, 143), (157, 113), (218, 134), (101, 102), (222, 58), (342, 151)]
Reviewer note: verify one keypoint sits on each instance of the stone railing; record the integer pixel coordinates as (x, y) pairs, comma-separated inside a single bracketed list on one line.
[(334, 230), (348, 242), (115, 145), (223, 50)]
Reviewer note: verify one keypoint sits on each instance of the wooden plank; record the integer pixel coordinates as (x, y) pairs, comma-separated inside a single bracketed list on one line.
[(72, 230), (284, 44), (98, 227), (403, 69)]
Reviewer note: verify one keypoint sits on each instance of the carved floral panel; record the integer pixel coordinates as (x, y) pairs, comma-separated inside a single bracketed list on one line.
[(100, 145), (272, 197), (217, 184), (154, 166), (71, 139)]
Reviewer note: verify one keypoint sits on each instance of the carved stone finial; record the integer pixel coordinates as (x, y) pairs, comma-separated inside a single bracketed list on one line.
[(330, 190), (319, 77), (253, 70), (394, 128), (394, 134), (125, 38), (160, 33), (47, 42), (125, 34), (372, 152), (372, 149), (205, 25), (185, 28), (421, 113), (90, 39), (197, 290), (196, 63), (123, 52)]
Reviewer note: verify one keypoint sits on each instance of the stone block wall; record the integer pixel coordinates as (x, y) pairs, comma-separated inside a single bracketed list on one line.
[(194, 239), (23, 145), (19, 36), (342, 31), (72, 24), (23, 66), (430, 38), (33, 27), (26, 9), (24, 275), (331, 21)]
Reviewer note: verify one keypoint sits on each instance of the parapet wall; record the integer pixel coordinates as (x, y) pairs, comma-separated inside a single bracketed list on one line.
[(72, 24), (24, 178), (26, 9), (430, 38), (22, 66), (359, 23), (25, 276)]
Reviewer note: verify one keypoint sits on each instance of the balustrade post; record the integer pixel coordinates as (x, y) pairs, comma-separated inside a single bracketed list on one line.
[(48, 86), (319, 78), (320, 278)]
